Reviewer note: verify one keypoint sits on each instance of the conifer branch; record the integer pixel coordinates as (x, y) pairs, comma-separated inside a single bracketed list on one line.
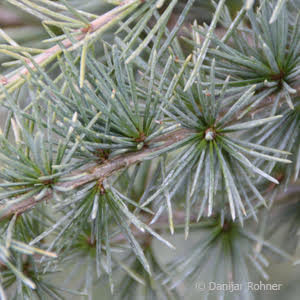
[(99, 172), (103, 156), (109, 167), (95, 28)]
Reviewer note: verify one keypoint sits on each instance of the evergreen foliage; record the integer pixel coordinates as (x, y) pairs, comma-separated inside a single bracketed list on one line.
[(138, 125)]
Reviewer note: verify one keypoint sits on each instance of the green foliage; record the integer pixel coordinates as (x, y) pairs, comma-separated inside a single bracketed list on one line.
[(18, 265), (112, 144), (226, 246), (267, 56)]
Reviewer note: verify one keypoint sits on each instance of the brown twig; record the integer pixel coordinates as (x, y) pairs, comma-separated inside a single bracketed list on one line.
[(99, 172), (42, 58), (109, 167)]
